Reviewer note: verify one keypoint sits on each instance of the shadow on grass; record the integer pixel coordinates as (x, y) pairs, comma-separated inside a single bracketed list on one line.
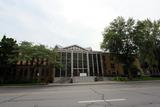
[(142, 78)]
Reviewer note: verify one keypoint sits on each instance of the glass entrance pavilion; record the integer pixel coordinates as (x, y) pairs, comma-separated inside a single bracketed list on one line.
[(75, 60)]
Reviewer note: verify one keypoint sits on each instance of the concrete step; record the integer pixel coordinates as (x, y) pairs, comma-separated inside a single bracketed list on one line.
[(83, 79), (62, 80)]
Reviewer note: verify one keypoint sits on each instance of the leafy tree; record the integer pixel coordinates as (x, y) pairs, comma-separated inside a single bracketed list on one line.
[(118, 40), (112, 36), (147, 39), (127, 40), (8, 51), (28, 51), (25, 51)]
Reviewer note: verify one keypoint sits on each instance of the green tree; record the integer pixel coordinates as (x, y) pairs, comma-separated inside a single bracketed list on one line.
[(8, 51), (25, 51), (118, 39), (28, 51), (147, 40)]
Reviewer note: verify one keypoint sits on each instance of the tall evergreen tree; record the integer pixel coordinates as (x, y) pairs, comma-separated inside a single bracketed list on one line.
[(8, 51)]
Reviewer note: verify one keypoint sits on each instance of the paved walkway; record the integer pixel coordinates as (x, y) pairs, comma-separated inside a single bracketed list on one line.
[(101, 83), (87, 83)]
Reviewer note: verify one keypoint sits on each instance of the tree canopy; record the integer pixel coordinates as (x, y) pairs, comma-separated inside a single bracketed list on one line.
[(11, 52), (147, 39), (28, 51), (8, 51), (127, 39)]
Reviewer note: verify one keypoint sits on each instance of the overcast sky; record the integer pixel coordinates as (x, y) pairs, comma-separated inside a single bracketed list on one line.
[(68, 22)]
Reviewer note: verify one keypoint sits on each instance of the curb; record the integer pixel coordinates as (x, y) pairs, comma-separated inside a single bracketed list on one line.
[(101, 83), (81, 84)]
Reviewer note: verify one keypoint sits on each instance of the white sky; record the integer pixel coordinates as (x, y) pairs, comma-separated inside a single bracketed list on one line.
[(68, 22)]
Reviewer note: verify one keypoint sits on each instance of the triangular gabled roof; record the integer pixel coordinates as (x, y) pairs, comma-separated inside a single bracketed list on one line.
[(75, 48), (58, 47)]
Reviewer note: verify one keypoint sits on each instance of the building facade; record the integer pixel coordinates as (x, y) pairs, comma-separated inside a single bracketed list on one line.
[(74, 63), (36, 70), (77, 61)]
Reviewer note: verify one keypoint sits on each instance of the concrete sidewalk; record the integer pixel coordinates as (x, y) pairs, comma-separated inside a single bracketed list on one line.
[(64, 84), (102, 82), (85, 83)]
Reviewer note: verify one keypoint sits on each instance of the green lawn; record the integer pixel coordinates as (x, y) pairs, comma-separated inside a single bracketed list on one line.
[(143, 78), (21, 84)]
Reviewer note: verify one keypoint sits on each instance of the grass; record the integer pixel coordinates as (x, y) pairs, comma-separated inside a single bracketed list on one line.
[(146, 78), (22, 84), (142, 78)]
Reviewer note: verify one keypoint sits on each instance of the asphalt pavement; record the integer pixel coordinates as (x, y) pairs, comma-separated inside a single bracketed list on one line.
[(101, 94)]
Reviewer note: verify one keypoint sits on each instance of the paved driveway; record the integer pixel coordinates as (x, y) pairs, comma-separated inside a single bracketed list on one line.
[(145, 94)]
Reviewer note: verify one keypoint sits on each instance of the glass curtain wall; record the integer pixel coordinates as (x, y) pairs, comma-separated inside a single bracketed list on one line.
[(80, 64)]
